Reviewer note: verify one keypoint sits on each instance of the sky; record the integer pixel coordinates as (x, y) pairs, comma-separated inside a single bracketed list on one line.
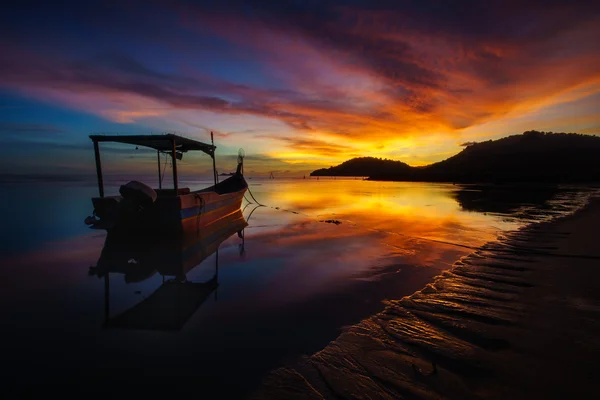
[(299, 85)]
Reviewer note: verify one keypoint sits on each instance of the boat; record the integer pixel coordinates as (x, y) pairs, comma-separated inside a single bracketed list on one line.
[(142, 209), (173, 303)]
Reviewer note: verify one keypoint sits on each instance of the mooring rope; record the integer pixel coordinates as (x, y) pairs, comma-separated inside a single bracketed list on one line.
[(254, 198), (252, 212)]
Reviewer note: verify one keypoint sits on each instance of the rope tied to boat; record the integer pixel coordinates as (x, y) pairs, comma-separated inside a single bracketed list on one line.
[(253, 198)]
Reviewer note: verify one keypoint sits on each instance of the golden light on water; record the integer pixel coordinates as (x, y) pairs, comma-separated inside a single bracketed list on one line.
[(408, 210)]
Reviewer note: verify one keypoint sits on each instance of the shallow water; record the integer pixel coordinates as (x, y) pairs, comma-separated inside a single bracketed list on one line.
[(285, 289)]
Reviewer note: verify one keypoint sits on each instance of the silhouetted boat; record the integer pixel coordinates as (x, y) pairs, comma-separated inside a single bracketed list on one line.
[(176, 300), (165, 211)]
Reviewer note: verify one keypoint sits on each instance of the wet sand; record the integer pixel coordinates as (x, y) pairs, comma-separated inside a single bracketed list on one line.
[(519, 318)]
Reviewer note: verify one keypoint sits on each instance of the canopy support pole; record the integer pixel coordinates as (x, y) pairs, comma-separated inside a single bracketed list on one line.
[(159, 175), (174, 155), (98, 169)]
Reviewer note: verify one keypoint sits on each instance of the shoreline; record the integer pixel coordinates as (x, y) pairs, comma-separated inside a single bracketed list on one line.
[(514, 319)]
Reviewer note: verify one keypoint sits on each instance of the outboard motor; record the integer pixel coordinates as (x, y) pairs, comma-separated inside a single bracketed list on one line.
[(136, 196)]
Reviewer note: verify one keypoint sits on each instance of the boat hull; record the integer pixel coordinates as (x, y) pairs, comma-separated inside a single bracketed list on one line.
[(182, 214), (198, 211)]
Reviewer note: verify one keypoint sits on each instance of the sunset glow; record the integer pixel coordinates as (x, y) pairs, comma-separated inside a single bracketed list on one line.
[(299, 86)]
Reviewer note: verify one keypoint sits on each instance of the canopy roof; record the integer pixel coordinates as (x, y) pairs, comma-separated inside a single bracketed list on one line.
[(158, 142)]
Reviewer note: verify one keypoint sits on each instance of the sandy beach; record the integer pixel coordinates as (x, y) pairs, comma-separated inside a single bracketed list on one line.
[(517, 318)]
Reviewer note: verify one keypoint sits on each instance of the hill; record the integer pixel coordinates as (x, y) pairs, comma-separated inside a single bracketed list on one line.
[(531, 157), (365, 166)]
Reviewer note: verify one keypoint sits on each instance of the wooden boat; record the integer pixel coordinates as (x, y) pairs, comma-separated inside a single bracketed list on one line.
[(171, 305), (142, 209)]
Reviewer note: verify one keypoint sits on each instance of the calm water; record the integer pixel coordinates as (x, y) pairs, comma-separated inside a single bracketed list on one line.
[(286, 287)]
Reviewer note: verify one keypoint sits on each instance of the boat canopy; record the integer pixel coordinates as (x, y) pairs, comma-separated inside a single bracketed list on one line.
[(167, 143), (159, 142)]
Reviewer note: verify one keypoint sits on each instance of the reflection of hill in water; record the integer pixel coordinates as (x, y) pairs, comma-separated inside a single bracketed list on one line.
[(502, 199), (175, 301)]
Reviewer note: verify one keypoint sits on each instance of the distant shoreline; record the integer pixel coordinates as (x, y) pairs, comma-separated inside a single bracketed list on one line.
[(540, 157)]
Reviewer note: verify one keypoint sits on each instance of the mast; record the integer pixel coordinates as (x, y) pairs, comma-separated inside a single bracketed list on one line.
[(213, 157), (98, 169)]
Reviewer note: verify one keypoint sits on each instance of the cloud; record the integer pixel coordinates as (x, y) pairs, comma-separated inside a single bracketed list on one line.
[(340, 76), (90, 79), (444, 67), (309, 145)]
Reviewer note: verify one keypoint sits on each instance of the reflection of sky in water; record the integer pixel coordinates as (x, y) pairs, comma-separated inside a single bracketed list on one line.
[(298, 281)]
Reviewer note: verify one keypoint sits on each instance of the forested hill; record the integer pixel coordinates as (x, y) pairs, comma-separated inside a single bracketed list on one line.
[(364, 166), (531, 157)]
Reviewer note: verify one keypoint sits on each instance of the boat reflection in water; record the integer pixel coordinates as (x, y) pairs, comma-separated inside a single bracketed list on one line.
[(177, 298)]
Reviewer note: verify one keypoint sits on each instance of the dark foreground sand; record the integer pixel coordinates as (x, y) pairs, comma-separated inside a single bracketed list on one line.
[(519, 318)]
